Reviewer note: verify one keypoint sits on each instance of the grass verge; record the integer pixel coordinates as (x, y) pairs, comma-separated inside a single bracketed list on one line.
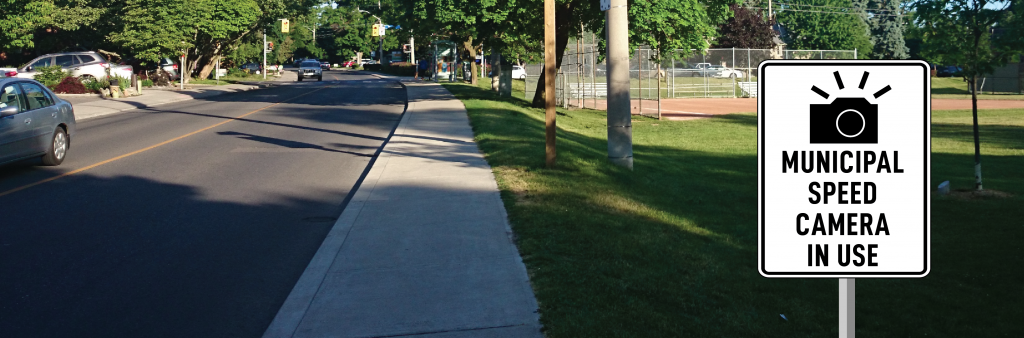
[(956, 88), (669, 249)]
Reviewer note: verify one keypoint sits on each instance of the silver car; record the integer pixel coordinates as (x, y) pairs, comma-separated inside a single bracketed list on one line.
[(310, 69), (87, 66), (33, 122)]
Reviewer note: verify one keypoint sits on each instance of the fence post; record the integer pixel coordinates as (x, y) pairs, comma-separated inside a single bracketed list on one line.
[(734, 68), (748, 65), (855, 57)]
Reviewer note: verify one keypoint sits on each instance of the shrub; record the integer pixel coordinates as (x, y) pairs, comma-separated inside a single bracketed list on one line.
[(234, 72), (122, 82), (400, 69), (96, 86), (71, 85), (50, 75), (147, 83)]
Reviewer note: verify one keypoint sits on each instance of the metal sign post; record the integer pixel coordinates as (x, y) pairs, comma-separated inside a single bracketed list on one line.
[(846, 308)]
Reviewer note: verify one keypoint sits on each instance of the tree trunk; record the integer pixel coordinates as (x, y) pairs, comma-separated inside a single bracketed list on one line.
[(562, 29), (468, 45), (977, 141)]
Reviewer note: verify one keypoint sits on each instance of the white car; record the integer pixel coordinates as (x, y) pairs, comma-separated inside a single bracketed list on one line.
[(88, 66), (707, 69), (518, 72)]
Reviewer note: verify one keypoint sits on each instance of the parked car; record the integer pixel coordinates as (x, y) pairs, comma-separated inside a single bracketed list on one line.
[(518, 72), (710, 70), (166, 64), (325, 65), (366, 62), (252, 67), (948, 71), (310, 69), (34, 122), (348, 64), (87, 66)]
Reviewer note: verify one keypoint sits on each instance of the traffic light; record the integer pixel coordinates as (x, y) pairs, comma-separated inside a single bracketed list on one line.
[(284, 25), (271, 45), (375, 30)]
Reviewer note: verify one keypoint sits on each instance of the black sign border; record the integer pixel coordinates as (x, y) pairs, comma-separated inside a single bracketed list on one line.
[(927, 143)]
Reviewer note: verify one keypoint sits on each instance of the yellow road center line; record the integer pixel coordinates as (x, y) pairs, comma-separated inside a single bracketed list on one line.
[(94, 165)]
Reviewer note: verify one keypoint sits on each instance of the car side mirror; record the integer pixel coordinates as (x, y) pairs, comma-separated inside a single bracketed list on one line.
[(8, 111)]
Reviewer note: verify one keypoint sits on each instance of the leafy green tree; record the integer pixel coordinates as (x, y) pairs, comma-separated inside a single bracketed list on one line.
[(198, 28), (24, 22), (844, 29), (887, 26), (19, 19), (959, 32)]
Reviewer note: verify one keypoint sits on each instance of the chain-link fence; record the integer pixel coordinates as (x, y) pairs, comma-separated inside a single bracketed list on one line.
[(717, 73), (1008, 79)]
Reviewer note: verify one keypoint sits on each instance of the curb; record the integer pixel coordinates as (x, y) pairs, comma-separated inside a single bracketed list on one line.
[(293, 310)]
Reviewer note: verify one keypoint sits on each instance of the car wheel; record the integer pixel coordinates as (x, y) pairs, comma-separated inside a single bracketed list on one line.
[(522, 77), (300, 79), (58, 148), (320, 78), (86, 78)]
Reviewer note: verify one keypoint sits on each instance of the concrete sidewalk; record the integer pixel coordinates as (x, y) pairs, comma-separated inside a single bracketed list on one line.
[(96, 107), (423, 249)]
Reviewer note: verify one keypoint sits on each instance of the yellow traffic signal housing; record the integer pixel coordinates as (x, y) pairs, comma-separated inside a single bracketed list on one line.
[(284, 25), (375, 31)]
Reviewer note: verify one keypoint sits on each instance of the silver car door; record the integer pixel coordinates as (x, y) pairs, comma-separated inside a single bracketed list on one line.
[(14, 129), (42, 112)]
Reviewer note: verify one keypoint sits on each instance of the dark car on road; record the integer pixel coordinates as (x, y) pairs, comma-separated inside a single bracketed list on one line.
[(33, 122), (310, 69)]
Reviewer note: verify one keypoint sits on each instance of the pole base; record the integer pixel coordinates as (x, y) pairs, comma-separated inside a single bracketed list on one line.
[(623, 162)]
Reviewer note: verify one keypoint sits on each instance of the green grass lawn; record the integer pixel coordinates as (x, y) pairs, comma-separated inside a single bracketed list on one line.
[(669, 249), (956, 88)]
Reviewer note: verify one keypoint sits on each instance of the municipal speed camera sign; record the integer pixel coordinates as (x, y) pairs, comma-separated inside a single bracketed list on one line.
[(843, 168)]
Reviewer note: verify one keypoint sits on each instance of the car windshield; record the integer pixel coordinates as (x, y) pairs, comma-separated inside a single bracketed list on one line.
[(309, 64)]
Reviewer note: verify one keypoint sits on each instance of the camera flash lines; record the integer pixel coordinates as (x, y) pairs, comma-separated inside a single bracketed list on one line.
[(863, 81)]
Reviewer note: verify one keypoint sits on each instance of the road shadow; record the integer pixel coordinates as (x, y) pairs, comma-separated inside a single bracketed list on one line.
[(127, 256)]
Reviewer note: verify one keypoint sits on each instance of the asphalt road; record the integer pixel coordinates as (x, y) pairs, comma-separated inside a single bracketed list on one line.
[(191, 220)]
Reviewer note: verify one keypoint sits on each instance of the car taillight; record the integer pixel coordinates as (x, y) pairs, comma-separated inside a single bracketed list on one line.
[(11, 74), (129, 68), (174, 66), (103, 64)]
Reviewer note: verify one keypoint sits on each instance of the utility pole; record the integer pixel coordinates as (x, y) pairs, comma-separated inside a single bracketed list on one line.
[(620, 124), (549, 82), (412, 54), (264, 54), (769, 10)]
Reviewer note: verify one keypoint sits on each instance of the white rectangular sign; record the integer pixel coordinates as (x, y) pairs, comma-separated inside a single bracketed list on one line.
[(844, 157)]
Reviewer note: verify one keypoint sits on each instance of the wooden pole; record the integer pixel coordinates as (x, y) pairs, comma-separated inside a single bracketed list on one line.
[(549, 82)]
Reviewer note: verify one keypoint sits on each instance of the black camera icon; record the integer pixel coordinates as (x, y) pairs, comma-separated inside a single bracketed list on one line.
[(845, 120)]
